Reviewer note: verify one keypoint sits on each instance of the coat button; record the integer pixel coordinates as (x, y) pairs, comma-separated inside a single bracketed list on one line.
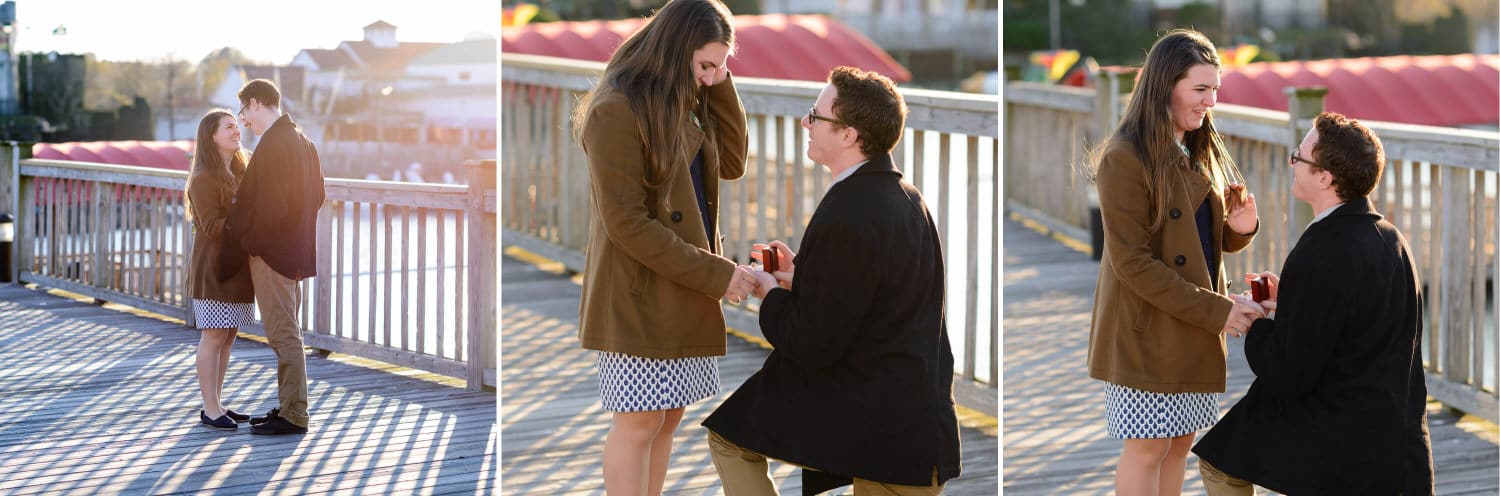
[(1175, 213), (676, 216), (1180, 260)]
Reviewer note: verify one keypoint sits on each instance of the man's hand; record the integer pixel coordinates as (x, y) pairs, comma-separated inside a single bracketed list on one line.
[(784, 263), (764, 282)]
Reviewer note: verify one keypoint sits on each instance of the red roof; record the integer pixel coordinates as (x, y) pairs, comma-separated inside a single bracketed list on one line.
[(158, 154), (1436, 90), (779, 46)]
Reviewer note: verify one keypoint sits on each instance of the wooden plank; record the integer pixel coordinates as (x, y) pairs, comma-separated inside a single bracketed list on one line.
[(372, 330), (406, 286), (422, 215), (150, 177), (442, 288), (971, 266), (994, 299), (355, 270), (385, 270)]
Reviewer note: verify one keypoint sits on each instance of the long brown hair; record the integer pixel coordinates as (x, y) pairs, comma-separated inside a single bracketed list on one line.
[(1147, 122), (208, 161), (653, 69)]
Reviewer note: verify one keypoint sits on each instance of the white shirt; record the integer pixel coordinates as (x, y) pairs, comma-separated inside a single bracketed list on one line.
[(1324, 214), (845, 175)]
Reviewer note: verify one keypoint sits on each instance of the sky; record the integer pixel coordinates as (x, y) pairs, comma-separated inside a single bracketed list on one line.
[(264, 30)]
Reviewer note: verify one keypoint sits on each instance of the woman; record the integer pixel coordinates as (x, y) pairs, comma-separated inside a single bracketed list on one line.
[(219, 307), (662, 126), (1172, 206)]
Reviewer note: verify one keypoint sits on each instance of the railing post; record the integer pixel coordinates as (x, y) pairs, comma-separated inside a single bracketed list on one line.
[(11, 154), (481, 328), (323, 302), (1302, 104)]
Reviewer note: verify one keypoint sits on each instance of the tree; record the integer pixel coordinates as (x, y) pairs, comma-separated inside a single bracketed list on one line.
[(213, 66)]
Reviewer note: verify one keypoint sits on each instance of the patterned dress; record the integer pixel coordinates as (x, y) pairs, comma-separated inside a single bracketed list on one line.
[(629, 383)]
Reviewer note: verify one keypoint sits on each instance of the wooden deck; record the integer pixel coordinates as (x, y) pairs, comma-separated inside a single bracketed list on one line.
[(101, 400), (1053, 413), (554, 428)]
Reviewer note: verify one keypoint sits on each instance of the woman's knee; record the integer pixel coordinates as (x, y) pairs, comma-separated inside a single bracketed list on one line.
[(1147, 450), (642, 424)]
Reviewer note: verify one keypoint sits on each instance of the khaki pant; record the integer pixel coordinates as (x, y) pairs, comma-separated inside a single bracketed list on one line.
[(1218, 483), (745, 473), (279, 298)]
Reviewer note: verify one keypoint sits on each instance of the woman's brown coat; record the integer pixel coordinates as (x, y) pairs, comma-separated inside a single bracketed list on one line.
[(1157, 318), (653, 278), (209, 198)]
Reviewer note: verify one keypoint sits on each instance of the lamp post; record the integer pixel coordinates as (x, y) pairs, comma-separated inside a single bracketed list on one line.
[(7, 240)]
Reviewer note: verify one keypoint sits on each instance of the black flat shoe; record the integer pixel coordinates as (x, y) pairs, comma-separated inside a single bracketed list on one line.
[(276, 426), (238, 418), (222, 423)]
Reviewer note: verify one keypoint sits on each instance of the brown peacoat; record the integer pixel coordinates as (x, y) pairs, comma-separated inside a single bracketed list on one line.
[(209, 199), (653, 278), (1157, 317)]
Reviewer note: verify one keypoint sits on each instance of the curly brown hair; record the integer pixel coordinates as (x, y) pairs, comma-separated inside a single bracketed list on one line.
[(1349, 151), (869, 103)]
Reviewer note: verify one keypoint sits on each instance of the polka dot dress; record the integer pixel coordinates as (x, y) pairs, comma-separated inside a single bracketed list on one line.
[(215, 314), (1135, 414), (629, 383)]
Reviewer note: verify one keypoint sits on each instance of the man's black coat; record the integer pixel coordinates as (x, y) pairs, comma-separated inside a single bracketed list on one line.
[(1338, 402), (861, 379), (275, 211)]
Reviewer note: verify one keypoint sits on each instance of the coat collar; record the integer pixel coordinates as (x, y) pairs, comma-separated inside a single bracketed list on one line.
[(1362, 206), (879, 164)]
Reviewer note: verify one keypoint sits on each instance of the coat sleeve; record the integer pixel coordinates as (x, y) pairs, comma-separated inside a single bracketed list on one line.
[(207, 199), (616, 178), (1125, 206), (815, 322), (728, 113), (1235, 242), (1288, 354)]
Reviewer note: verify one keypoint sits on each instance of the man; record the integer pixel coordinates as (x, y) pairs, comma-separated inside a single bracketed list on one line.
[(860, 383), (273, 220), (1338, 402)]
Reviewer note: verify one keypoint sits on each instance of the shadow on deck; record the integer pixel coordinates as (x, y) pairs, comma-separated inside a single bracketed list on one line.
[(103, 401), (553, 425), (1055, 442)]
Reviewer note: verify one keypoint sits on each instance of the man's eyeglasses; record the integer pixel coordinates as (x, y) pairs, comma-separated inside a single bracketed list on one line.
[(812, 115), (1298, 158)]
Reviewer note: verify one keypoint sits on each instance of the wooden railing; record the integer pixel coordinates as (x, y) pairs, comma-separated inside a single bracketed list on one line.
[(1439, 189), (546, 192), (406, 272)]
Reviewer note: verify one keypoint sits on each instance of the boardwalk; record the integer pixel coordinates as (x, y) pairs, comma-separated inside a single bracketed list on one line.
[(102, 401), (1053, 413), (554, 428)]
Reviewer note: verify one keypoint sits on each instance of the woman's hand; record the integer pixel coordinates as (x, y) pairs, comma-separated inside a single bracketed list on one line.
[(1241, 316), (1243, 215), (741, 283)]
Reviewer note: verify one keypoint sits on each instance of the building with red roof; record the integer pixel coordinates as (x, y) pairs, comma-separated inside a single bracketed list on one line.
[(797, 47), (1436, 90), (159, 154)]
